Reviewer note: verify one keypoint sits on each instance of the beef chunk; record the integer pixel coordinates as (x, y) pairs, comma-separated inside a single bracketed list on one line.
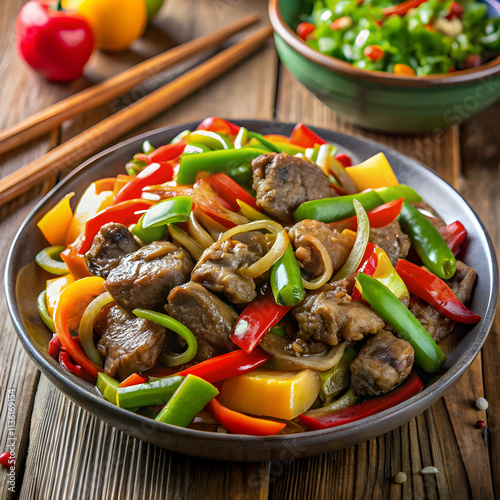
[(210, 319), (110, 245), (145, 278), (129, 344), (219, 270), (303, 236), (383, 363), (284, 182), (330, 316), (392, 240), (434, 322)]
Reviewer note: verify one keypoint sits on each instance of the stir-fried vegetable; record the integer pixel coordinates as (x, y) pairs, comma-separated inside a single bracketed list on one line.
[(288, 302), (427, 353)]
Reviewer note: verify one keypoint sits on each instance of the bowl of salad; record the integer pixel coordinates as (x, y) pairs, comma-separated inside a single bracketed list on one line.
[(252, 291), (406, 67)]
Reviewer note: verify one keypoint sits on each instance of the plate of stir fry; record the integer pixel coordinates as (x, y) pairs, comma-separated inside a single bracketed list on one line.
[(234, 290)]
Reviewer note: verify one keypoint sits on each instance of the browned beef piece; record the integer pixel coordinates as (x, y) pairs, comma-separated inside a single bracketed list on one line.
[(383, 362), (129, 344), (434, 322), (330, 316), (210, 319), (392, 240), (145, 278), (110, 245), (303, 236), (219, 270), (255, 240), (284, 182)]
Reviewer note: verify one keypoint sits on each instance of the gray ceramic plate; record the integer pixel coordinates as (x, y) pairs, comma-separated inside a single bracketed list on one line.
[(24, 280)]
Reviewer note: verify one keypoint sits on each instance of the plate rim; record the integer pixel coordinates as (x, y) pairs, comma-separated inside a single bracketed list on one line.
[(264, 448)]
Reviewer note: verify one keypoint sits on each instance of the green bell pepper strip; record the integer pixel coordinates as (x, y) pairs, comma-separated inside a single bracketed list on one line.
[(214, 161), (385, 303), (349, 398), (334, 209), (170, 358), (46, 259), (288, 148), (359, 247), (391, 193), (195, 148), (151, 233), (170, 211), (157, 392), (213, 140), (147, 148), (241, 138), (188, 400), (242, 175), (336, 379), (41, 306), (268, 144), (108, 387), (133, 167), (286, 280), (428, 242)]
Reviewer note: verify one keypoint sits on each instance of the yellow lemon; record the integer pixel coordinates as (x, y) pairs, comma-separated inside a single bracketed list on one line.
[(116, 23)]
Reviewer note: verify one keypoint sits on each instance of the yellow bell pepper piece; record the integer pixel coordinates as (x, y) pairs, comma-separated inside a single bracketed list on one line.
[(55, 223), (53, 291), (250, 212), (387, 275), (115, 23), (93, 200), (272, 393), (375, 172)]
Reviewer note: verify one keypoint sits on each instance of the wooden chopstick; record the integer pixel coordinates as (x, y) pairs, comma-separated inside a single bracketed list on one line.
[(94, 138), (49, 118)]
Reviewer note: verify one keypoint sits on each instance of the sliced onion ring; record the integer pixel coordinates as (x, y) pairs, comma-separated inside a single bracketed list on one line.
[(86, 330), (327, 264)]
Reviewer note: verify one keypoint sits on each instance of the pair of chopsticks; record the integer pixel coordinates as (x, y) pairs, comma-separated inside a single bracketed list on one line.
[(109, 129)]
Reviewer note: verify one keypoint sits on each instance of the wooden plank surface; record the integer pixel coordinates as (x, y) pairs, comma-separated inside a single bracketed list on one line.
[(74, 455)]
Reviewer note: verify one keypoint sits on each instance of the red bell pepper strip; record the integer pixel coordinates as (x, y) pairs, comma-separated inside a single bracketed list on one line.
[(305, 29), (134, 379), (214, 124), (435, 292), (378, 217), (456, 10), (256, 320), (166, 153), (227, 365), (67, 363), (239, 423), (344, 160), (153, 174), (368, 265), (55, 43), (409, 388), (454, 234), (231, 191), (402, 8), (305, 137), (54, 347), (126, 213)]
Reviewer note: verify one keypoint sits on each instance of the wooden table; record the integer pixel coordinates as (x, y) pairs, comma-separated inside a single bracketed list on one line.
[(65, 452)]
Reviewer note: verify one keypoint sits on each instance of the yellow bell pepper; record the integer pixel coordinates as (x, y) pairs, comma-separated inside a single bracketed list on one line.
[(96, 197), (250, 212), (373, 173), (115, 23), (387, 275), (272, 393), (53, 291), (55, 223)]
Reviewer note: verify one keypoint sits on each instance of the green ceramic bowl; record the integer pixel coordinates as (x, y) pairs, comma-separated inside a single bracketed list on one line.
[(378, 100)]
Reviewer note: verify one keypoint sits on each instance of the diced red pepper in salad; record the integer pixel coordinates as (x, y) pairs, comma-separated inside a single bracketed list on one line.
[(402, 8), (305, 29)]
